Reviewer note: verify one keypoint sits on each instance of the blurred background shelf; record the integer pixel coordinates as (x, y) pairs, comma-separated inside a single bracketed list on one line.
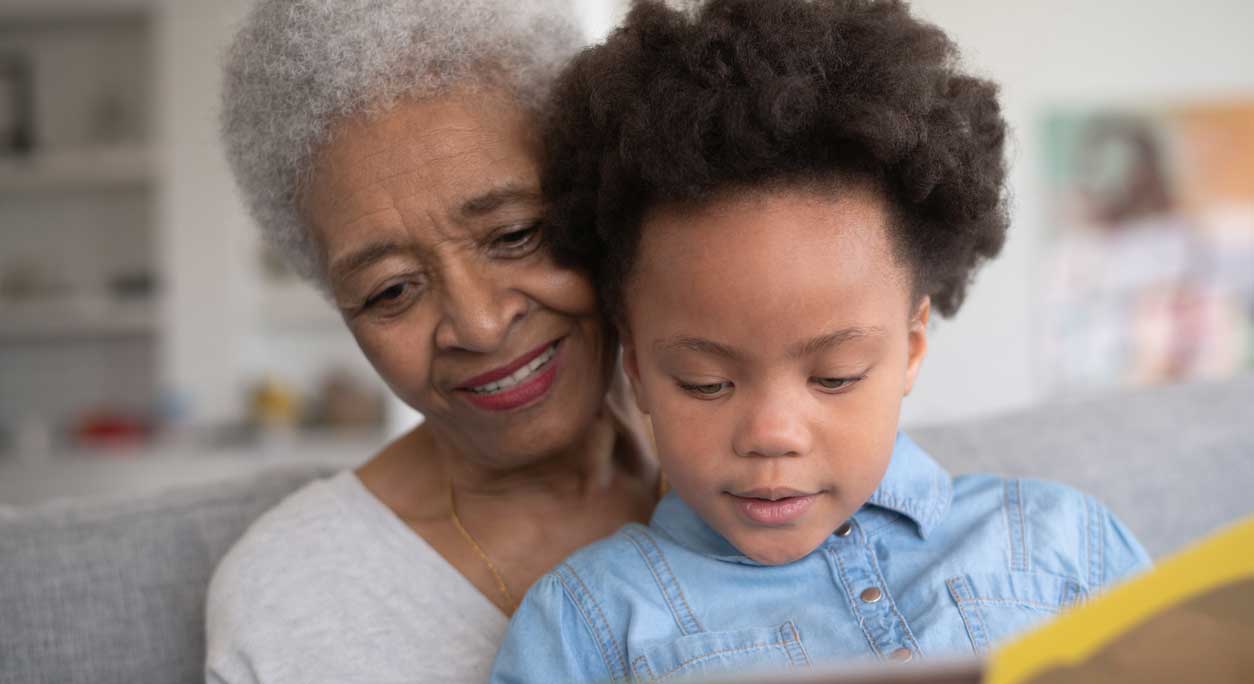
[(70, 322), (89, 168), (73, 472), (24, 11)]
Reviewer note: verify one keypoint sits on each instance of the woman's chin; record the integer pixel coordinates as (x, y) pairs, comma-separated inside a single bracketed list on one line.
[(556, 424)]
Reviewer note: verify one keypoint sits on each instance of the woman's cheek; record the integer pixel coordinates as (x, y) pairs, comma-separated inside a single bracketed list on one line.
[(399, 354), (562, 289)]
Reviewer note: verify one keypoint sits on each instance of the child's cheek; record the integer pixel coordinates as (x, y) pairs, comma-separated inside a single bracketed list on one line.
[(689, 434)]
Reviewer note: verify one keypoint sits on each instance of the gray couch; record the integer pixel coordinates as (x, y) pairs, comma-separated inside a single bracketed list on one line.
[(113, 592)]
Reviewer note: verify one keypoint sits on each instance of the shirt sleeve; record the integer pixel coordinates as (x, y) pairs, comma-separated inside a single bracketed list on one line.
[(226, 661), (549, 640), (1122, 556)]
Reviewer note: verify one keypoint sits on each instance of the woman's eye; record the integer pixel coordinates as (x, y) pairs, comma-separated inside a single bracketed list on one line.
[(518, 242), (706, 390), (390, 296)]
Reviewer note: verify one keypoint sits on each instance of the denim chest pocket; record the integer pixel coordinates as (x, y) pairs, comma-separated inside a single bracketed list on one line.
[(995, 607), (706, 653)]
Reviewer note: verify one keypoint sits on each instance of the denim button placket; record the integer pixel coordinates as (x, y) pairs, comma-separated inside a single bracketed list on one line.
[(857, 570)]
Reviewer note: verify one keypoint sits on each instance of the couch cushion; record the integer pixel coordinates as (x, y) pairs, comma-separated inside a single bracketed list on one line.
[(108, 592), (114, 592), (1174, 463)]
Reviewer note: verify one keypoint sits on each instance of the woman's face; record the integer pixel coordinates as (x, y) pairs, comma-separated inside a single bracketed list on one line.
[(428, 220)]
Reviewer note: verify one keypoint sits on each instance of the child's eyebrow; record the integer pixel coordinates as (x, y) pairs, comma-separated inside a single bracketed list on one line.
[(833, 339), (699, 345), (813, 345)]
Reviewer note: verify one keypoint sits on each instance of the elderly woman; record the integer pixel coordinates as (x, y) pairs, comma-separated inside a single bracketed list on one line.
[(390, 149)]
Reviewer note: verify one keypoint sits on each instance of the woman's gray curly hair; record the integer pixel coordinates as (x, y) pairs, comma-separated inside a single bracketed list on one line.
[(297, 67)]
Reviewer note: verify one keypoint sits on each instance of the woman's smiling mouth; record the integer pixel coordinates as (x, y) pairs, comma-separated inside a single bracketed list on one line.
[(517, 384)]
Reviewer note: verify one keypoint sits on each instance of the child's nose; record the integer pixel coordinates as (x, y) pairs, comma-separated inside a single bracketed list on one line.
[(772, 427)]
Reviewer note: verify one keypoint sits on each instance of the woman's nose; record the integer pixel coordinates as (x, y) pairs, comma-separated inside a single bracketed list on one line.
[(773, 426), (478, 311)]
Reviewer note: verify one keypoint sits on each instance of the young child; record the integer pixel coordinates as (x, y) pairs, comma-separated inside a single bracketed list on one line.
[(782, 193)]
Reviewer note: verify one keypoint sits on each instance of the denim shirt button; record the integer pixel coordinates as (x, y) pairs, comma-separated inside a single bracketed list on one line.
[(871, 595), (901, 655), (844, 530)]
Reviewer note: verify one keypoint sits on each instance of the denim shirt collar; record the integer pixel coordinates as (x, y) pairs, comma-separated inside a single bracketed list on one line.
[(914, 486)]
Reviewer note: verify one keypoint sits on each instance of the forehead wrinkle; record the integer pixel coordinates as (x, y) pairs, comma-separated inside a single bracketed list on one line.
[(365, 182), (424, 147), (415, 170), (438, 228), (370, 213), (418, 172), (365, 158)]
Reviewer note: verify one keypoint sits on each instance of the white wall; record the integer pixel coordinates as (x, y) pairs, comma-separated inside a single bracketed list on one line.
[(206, 245)]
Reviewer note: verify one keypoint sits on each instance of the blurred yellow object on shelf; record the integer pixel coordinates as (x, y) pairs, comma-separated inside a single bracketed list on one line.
[(275, 405)]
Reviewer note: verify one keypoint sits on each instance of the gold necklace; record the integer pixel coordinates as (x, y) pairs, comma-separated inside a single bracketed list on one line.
[(500, 581)]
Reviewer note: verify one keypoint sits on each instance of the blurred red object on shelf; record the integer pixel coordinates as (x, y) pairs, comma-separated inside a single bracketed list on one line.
[(112, 431)]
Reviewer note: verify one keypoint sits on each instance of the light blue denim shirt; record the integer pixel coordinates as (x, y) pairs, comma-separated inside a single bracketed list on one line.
[(931, 565)]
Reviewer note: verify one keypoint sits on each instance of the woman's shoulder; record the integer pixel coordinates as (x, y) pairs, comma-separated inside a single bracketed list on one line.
[(331, 578), (306, 529), (317, 507)]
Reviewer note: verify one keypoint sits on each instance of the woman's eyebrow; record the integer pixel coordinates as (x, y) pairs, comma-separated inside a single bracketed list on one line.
[(490, 201), (354, 261)]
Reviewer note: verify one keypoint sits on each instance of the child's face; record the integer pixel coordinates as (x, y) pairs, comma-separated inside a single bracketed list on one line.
[(771, 338)]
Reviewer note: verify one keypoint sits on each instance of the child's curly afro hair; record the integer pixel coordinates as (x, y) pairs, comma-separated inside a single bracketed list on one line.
[(679, 106)]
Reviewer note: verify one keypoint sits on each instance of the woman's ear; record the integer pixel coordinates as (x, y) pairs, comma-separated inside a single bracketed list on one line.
[(631, 367), (917, 341)]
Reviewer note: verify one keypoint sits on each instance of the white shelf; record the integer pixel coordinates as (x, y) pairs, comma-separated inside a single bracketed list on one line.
[(65, 10), (91, 168), (30, 479), (75, 321)]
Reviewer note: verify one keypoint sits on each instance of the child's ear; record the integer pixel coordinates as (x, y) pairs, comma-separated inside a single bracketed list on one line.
[(917, 341), (631, 366)]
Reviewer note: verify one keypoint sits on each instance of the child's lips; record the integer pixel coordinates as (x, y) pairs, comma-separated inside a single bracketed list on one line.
[(770, 493), (773, 508)]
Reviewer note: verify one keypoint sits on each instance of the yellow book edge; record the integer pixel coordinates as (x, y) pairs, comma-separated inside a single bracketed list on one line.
[(1222, 558)]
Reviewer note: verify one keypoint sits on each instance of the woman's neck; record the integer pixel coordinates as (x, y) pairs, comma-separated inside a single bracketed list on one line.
[(582, 469)]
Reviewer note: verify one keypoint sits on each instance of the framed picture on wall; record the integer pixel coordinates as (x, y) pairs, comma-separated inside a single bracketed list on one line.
[(1151, 269)]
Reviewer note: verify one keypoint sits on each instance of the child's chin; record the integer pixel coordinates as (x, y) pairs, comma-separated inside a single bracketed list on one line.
[(776, 555)]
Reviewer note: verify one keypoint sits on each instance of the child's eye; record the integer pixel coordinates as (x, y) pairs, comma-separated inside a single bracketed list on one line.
[(710, 390), (836, 384)]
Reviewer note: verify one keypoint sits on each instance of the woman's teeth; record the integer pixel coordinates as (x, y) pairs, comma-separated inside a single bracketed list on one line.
[(518, 375)]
